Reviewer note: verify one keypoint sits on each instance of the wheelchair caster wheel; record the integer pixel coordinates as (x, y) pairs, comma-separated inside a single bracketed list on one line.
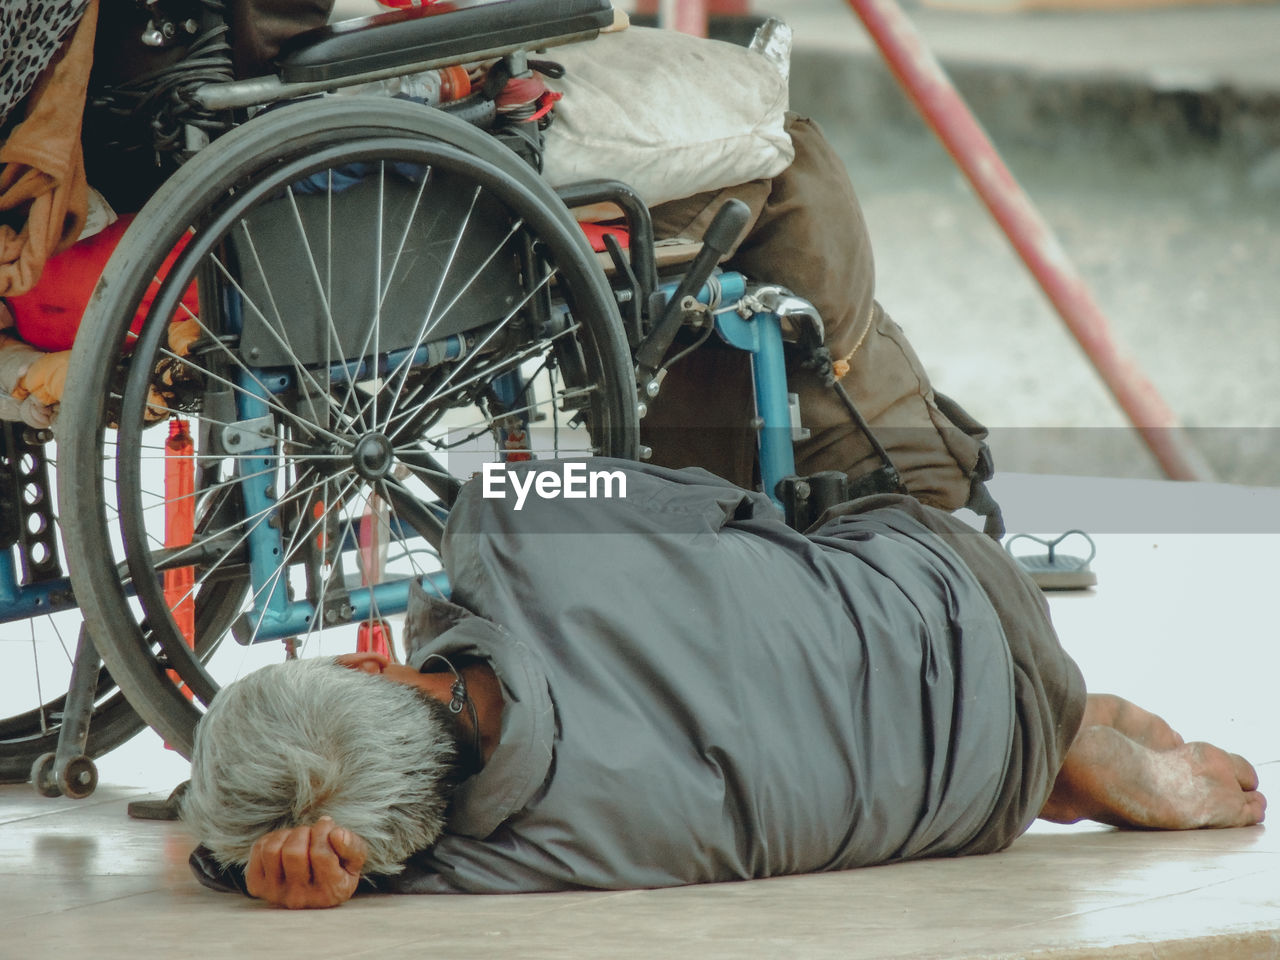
[(42, 776), (79, 778)]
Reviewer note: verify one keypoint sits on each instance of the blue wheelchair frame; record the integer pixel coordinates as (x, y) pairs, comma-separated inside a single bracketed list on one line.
[(32, 581), (742, 319), (759, 333)]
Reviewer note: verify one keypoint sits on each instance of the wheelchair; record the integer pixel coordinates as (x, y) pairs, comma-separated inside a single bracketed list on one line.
[(56, 686), (324, 322)]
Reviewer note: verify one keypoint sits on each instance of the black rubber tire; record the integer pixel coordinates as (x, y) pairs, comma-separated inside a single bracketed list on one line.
[(23, 738), (35, 673), (27, 736), (211, 194)]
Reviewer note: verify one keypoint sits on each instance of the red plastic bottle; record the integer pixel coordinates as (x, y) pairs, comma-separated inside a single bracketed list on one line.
[(374, 635), (179, 526)]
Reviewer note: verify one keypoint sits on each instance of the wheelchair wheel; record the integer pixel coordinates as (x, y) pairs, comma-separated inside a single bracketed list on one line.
[(37, 668), (37, 661), (40, 625), (35, 683), (353, 304)]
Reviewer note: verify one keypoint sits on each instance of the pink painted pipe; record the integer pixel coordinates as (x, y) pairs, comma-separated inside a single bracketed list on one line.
[(922, 77)]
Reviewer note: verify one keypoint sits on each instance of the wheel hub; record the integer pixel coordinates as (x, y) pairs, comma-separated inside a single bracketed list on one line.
[(371, 456)]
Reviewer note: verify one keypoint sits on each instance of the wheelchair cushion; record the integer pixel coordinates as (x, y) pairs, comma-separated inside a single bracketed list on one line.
[(441, 33), (669, 114), (596, 233), (674, 251)]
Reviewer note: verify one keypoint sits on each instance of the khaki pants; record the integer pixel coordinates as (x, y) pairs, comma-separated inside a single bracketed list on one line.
[(809, 235)]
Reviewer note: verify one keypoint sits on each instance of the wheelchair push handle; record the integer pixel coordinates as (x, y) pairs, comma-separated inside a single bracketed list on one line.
[(727, 226)]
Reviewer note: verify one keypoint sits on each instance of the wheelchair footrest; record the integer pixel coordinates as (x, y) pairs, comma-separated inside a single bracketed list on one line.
[(26, 502)]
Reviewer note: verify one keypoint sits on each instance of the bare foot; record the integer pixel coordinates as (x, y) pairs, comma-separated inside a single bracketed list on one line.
[(1111, 778), (1142, 726)]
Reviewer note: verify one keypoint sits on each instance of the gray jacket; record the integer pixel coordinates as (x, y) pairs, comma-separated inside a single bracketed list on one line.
[(694, 692)]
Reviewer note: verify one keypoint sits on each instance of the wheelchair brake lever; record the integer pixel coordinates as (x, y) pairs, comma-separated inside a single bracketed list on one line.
[(627, 297), (724, 232)]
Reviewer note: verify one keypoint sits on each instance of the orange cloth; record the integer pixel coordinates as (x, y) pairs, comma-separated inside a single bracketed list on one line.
[(43, 376), (45, 379), (183, 333), (43, 173)]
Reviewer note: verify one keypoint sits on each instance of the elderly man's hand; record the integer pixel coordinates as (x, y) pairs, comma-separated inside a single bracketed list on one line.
[(306, 867)]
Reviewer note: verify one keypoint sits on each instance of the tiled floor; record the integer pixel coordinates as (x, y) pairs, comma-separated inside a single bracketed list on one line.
[(1182, 622)]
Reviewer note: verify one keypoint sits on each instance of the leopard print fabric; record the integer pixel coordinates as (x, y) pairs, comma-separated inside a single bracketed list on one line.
[(30, 33)]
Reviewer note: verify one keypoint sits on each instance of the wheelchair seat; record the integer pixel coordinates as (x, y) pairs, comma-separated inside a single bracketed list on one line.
[(454, 32)]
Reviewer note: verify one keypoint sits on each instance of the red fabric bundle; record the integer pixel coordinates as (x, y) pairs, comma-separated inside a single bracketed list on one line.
[(48, 316)]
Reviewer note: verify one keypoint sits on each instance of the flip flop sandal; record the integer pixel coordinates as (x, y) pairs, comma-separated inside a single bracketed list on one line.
[(1052, 570), (167, 809)]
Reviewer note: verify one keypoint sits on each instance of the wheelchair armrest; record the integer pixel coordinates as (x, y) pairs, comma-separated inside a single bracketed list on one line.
[(457, 32)]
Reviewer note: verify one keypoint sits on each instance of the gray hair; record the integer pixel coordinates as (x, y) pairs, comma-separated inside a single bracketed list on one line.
[(295, 741)]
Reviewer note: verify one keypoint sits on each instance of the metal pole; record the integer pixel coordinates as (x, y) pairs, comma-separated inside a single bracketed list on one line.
[(685, 16), (926, 83)]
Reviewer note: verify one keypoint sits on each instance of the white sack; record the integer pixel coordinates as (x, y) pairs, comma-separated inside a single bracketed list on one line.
[(669, 114)]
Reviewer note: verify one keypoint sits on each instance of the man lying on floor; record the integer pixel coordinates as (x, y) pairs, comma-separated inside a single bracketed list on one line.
[(672, 687)]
